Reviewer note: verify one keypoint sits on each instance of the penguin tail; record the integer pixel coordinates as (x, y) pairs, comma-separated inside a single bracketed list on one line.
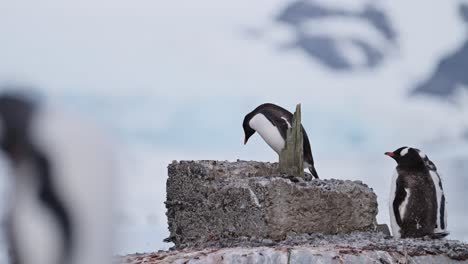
[(440, 235), (313, 171)]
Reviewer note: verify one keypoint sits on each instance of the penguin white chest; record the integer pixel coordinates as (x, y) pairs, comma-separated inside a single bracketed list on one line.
[(393, 223), (268, 132)]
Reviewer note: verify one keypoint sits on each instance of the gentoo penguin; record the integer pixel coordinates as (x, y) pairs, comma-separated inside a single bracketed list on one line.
[(61, 198), (272, 122), (417, 202)]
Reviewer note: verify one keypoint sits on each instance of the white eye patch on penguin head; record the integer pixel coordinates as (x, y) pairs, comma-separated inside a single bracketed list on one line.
[(404, 151), (397, 154), (421, 154)]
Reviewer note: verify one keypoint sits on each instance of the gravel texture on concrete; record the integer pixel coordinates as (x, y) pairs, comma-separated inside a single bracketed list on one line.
[(356, 247), (220, 201)]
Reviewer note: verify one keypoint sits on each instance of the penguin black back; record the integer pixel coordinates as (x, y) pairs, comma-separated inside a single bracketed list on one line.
[(441, 224)]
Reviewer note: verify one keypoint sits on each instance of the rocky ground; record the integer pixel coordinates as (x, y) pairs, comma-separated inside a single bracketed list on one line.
[(357, 247)]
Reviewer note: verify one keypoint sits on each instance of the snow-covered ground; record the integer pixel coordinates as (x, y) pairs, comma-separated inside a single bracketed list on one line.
[(170, 80)]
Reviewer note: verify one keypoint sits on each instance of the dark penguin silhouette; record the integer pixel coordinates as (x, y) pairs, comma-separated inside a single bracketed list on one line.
[(16, 115), (272, 122), (417, 203), (60, 203)]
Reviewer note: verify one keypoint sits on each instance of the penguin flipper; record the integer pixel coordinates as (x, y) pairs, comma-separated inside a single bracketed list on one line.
[(400, 196)]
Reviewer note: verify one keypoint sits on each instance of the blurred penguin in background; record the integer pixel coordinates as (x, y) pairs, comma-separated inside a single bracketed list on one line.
[(61, 171)]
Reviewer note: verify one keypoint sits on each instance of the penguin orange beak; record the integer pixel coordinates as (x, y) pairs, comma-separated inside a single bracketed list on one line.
[(390, 154)]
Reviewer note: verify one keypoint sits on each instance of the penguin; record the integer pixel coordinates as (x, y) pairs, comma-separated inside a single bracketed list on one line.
[(61, 208), (416, 204), (272, 122)]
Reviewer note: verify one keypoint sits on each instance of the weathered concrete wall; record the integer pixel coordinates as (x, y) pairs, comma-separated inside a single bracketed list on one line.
[(361, 247), (212, 201)]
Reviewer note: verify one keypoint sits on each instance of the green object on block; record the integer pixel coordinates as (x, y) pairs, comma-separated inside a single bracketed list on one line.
[(291, 159)]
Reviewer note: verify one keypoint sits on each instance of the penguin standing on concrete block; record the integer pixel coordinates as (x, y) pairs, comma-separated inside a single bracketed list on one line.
[(417, 201), (61, 199), (272, 123)]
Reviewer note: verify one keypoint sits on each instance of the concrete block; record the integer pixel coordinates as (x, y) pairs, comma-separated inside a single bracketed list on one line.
[(213, 200)]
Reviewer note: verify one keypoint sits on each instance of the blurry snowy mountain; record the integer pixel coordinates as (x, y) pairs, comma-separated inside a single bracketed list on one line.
[(312, 23), (451, 71)]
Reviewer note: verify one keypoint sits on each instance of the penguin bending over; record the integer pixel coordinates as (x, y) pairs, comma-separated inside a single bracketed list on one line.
[(417, 201), (61, 204), (272, 123)]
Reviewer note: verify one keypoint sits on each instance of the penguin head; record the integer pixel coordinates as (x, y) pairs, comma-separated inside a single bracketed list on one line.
[(248, 131), (408, 157), (16, 112)]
